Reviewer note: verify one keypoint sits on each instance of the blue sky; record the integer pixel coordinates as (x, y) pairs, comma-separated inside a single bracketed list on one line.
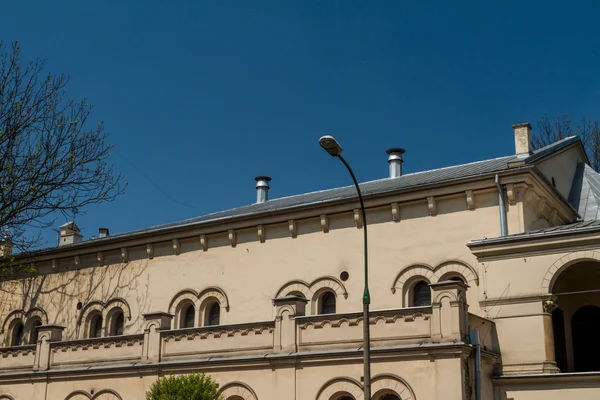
[(204, 96)]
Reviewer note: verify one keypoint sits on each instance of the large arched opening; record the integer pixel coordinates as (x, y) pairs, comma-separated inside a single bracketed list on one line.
[(576, 318)]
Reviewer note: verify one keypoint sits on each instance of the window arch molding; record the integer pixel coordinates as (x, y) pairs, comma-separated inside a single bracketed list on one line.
[(447, 269), (27, 319), (237, 390), (335, 387), (104, 394), (208, 298), (564, 262), (314, 290), (201, 302), (392, 384), (6, 397), (106, 311)]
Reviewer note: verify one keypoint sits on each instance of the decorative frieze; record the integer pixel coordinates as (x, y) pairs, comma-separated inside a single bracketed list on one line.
[(336, 321), (17, 351), (215, 332), (97, 343)]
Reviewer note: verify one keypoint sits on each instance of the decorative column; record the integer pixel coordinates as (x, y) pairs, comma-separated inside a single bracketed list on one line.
[(450, 317), (155, 322), (286, 310), (46, 335)]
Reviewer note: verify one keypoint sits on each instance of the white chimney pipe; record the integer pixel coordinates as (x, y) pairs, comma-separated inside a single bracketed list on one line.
[(103, 232), (262, 188), (395, 161)]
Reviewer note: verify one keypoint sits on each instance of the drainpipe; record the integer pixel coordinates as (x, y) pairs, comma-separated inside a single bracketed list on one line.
[(502, 207), (474, 339)]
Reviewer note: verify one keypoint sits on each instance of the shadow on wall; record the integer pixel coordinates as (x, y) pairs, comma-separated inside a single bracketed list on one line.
[(59, 294)]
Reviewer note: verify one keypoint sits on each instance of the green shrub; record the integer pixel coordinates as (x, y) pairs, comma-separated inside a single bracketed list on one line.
[(184, 387)]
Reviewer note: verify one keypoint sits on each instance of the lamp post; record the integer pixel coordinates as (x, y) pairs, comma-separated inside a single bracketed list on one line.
[(334, 149)]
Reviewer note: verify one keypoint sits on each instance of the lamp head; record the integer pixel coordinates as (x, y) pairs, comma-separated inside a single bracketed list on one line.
[(330, 145)]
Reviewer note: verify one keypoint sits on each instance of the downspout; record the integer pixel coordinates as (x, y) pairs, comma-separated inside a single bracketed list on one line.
[(474, 339), (502, 207)]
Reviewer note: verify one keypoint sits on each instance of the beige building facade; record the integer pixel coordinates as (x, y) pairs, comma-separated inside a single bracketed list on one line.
[(267, 298)]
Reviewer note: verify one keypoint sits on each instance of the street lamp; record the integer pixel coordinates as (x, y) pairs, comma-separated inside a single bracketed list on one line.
[(334, 149)]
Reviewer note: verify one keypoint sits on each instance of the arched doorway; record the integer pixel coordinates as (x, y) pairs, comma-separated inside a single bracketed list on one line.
[(576, 320)]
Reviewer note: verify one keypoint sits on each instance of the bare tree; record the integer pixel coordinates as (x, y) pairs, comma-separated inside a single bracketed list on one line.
[(53, 162), (560, 127)]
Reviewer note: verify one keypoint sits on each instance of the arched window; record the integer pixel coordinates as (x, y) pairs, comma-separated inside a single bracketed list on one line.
[(188, 316), (389, 397), (327, 303), (456, 279), (344, 397), (16, 335), (96, 326), (214, 315), (421, 294), (33, 334), (117, 322)]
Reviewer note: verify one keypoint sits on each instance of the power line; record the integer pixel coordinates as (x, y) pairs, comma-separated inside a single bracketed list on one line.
[(153, 183)]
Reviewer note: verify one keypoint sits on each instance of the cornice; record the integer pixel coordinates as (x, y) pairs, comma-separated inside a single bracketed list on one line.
[(515, 300), (535, 245), (263, 219), (560, 379)]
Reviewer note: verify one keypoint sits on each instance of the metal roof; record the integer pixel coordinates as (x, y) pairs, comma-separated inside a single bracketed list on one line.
[(585, 192), (372, 188), (579, 227)]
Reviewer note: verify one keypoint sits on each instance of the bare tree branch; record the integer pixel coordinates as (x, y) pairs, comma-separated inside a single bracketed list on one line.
[(52, 161), (560, 127)]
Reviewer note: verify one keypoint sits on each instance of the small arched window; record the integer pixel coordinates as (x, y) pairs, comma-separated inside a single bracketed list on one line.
[(214, 315), (33, 335), (327, 305), (456, 279), (96, 326), (188, 317), (421, 294), (117, 323), (389, 397), (16, 336)]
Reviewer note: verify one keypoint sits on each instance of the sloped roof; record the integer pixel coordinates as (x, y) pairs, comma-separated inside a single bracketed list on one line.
[(372, 188), (580, 227), (585, 192)]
